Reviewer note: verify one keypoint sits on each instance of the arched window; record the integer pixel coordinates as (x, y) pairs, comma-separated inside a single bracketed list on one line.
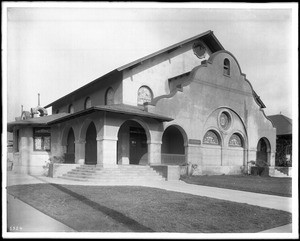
[(144, 95), (226, 67), (211, 138), (71, 109), (236, 141), (87, 103), (109, 96)]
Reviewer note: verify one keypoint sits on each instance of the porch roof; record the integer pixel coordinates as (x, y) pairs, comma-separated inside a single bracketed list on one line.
[(117, 108), (38, 121)]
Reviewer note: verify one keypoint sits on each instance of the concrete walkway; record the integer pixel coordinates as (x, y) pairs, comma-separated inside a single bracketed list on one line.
[(23, 218), (262, 200)]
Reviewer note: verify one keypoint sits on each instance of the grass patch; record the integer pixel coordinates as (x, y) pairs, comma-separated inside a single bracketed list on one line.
[(143, 209), (258, 184)]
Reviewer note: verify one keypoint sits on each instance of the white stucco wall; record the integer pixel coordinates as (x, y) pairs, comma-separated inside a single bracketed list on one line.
[(155, 73)]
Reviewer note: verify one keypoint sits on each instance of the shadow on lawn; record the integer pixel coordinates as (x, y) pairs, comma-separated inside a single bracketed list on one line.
[(117, 216)]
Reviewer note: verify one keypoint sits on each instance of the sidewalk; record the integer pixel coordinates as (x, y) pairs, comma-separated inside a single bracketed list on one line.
[(262, 200), (23, 218)]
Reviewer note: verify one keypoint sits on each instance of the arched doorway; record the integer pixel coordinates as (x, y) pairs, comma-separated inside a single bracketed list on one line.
[(70, 154), (263, 152), (91, 145), (172, 149), (132, 144)]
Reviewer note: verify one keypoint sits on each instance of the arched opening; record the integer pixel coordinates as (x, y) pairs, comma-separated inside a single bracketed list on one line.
[(226, 67), (132, 144), (235, 154), (91, 145), (145, 95), (263, 152), (71, 109), (70, 154), (87, 103), (109, 96), (212, 152), (173, 149)]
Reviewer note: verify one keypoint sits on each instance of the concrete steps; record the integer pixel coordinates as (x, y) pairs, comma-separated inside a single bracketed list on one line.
[(278, 174), (121, 174)]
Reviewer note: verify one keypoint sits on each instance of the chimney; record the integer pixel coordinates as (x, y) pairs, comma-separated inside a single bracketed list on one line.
[(21, 110), (38, 99)]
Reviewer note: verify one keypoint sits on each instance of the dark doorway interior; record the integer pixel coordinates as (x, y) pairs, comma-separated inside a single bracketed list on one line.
[(172, 149), (70, 155), (132, 144), (262, 154), (91, 145), (138, 144)]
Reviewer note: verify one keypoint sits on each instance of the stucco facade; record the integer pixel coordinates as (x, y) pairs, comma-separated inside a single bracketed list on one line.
[(187, 104)]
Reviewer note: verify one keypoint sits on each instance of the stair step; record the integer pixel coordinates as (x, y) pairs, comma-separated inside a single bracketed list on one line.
[(122, 174)]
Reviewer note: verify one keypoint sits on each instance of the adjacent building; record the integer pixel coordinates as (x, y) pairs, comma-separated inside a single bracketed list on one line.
[(189, 103), (284, 133)]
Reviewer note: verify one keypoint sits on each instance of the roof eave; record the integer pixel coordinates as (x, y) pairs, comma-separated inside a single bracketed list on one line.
[(95, 108)]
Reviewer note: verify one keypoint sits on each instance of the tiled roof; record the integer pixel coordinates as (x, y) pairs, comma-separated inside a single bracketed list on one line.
[(44, 120), (118, 108), (208, 37), (282, 123)]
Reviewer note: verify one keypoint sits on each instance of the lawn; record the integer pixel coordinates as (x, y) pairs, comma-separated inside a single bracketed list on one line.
[(258, 184), (144, 209)]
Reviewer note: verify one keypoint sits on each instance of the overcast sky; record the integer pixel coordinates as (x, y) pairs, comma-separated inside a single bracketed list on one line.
[(53, 51)]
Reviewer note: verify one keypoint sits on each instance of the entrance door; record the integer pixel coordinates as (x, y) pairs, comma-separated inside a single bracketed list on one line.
[(91, 145), (70, 155), (262, 155), (138, 146)]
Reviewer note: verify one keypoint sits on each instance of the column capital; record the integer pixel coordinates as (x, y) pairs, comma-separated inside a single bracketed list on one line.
[(106, 138), (154, 142), (80, 141)]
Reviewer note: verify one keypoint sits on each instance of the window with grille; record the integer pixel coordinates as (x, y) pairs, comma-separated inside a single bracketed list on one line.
[(42, 139)]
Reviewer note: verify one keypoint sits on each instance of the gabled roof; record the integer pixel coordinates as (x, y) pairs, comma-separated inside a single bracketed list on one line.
[(207, 37), (282, 124)]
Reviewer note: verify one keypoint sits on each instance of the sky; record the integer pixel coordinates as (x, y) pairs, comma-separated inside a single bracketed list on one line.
[(53, 49)]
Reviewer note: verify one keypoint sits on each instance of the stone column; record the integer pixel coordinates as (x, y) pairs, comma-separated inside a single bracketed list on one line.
[(107, 152), (154, 153), (272, 159), (124, 146), (80, 151)]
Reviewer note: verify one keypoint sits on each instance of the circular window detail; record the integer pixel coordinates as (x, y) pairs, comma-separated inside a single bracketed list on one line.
[(199, 50), (225, 121)]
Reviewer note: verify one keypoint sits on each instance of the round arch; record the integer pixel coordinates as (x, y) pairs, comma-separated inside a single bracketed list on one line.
[(241, 135), (174, 143), (212, 142), (142, 124), (263, 152), (132, 145), (182, 131)]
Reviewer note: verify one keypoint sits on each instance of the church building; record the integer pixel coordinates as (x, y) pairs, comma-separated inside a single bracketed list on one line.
[(186, 105)]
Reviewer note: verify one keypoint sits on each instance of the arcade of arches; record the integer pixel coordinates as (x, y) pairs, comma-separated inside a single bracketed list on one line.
[(133, 147)]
